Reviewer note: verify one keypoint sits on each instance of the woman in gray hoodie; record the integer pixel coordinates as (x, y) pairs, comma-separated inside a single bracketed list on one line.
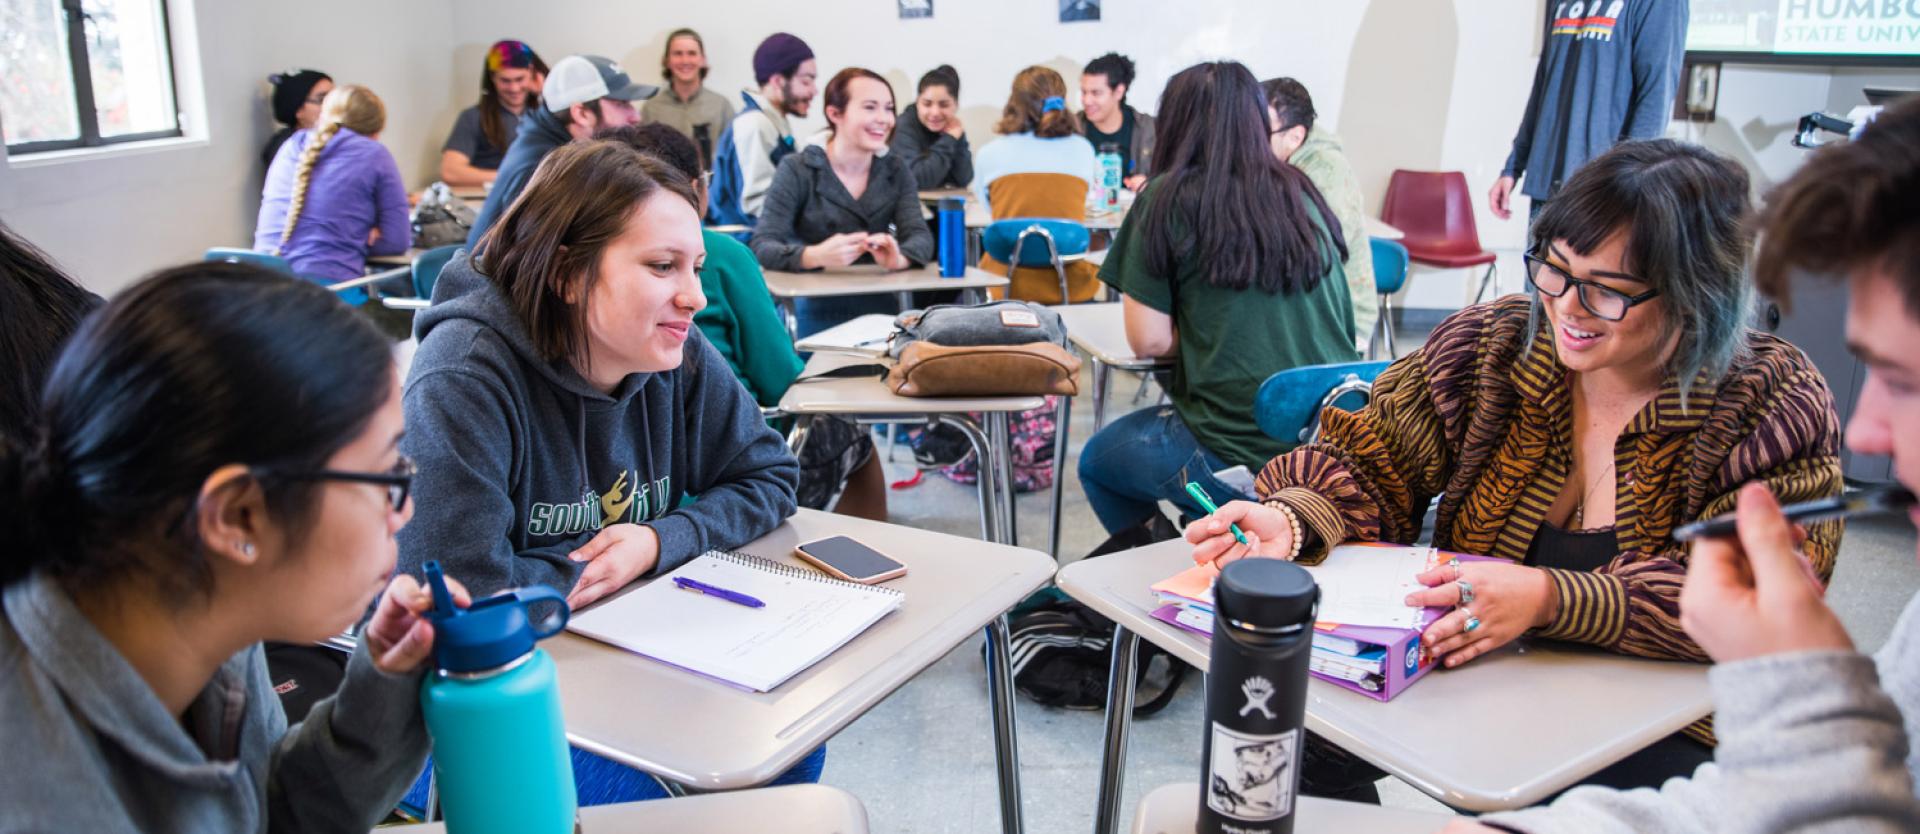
[(1814, 735), (215, 464)]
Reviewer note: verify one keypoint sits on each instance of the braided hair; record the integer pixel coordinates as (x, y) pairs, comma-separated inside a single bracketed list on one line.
[(353, 107)]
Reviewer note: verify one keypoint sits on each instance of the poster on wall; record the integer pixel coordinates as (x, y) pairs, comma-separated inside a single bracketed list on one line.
[(914, 9), (1790, 27), (1073, 11)]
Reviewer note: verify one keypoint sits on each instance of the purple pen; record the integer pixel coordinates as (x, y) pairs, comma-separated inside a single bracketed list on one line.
[(731, 596)]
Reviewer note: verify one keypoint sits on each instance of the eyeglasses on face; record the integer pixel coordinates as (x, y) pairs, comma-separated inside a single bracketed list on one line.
[(398, 481), (1599, 299)]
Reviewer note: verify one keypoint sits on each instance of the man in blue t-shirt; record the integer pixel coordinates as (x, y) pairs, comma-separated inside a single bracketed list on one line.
[(1607, 73)]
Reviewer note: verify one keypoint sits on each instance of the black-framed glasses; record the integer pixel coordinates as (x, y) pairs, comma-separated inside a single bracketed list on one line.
[(398, 481), (1599, 299)]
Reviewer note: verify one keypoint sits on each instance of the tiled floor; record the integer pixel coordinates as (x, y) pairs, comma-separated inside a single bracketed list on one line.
[(923, 760)]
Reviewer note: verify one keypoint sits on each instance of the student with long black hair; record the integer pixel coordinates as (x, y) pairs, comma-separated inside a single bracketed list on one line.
[(216, 463), (929, 136), (39, 308), (1230, 264)]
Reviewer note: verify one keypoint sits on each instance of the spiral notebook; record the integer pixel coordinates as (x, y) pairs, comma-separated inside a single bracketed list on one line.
[(808, 615)]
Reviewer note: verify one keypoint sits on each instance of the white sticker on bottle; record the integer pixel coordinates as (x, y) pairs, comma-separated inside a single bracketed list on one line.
[(1019, 318), (1251, 777)]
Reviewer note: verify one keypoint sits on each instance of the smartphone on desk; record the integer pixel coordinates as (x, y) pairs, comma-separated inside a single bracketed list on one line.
[(850, 560)]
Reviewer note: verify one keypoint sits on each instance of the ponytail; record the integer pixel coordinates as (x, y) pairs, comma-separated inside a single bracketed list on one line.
[(353, 107)]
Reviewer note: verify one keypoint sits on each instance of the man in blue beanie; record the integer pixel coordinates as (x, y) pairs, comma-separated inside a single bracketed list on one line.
[(784, 68)]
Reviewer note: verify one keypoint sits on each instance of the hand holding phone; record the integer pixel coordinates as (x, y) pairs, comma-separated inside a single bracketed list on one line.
[(850, 560)]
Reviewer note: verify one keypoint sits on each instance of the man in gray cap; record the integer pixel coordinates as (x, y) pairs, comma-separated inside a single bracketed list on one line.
[(760, 137), (583, 94)]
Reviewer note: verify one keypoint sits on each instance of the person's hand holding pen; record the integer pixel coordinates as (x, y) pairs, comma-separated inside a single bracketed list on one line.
[(1266, 529), (1754, 594), (886, 249)]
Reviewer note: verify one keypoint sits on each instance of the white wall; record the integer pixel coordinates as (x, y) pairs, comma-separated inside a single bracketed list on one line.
[(110, 220)]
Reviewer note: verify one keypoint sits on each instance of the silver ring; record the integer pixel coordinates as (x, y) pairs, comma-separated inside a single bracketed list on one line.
[(1472, 621), (1466, 591), (1455, 564)]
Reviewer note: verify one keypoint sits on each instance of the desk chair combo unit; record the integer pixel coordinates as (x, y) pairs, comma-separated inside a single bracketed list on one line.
[(235, 255), (1435, 211), (1389, 275)]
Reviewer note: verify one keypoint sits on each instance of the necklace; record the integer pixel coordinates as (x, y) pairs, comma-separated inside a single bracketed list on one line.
[(1580, 509)]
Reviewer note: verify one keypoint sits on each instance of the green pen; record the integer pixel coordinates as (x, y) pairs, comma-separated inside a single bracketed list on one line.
[(1206, 503)]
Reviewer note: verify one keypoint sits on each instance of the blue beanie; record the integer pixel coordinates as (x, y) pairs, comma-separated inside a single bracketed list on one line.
[(779, 54)]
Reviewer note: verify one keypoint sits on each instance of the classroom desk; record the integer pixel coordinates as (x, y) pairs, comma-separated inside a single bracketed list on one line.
[(978, 217), (932, 196), (814, 809), (403, 259), (1379, 228), (868, 279), (1175, 809), (699, 733), (1457, 735), (868, 400), (1100, 333)]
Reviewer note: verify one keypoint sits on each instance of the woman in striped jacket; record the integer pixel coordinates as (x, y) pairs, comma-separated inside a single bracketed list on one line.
[(1567, 434)]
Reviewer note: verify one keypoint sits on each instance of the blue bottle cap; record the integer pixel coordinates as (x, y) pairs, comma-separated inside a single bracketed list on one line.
[(491, 632), (953, 204)]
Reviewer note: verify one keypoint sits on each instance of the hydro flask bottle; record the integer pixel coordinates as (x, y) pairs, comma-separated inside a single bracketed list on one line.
[(953, 237), (1256, 696), (492, 706)]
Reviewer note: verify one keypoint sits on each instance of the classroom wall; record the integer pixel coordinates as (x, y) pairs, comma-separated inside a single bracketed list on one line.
[(109, 220)]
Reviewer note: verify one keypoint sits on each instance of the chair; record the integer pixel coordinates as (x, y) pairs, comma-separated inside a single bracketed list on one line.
[(234, 255), (1389, 275), (1061, 198), (1016, 242), (1435, 210), (1287, 407), (425, 271)]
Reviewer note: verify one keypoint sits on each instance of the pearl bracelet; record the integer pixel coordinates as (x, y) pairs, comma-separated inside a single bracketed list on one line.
[(1293, 526)]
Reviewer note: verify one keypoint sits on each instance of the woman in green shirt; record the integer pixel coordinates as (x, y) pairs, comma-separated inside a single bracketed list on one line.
[(1230, 264)]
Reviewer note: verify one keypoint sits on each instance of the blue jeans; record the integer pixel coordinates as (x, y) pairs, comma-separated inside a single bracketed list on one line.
[(1144, 458), (601, 781)]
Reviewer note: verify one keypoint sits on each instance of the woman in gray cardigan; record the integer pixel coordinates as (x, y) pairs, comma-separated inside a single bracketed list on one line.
[(834, 206)]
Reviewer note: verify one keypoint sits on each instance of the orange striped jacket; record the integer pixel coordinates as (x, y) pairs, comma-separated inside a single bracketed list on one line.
[(1485, 424)]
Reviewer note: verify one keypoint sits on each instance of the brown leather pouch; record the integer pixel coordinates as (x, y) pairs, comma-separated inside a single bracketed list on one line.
[(925, 369)]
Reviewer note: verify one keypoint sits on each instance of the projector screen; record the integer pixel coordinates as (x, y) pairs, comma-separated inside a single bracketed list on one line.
[(1811, 31)]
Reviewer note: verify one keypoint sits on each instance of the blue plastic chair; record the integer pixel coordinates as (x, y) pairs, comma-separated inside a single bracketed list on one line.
[(1035, 242), (1287, 407), (234, 255), (427, 268), (1389, 275)]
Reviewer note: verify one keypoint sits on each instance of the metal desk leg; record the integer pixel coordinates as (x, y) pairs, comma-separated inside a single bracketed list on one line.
[(790, 313), (1102, 377), (797, 436), (1062, 422), (1113, 758), (1000, 435), (904, 299), (1006, 744), (982, 453)]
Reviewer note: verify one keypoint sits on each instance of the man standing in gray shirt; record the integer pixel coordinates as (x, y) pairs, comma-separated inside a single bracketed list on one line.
[(1607, 72), (698, 113)]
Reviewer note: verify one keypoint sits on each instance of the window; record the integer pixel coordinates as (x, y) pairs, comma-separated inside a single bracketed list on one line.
[(84, 73)]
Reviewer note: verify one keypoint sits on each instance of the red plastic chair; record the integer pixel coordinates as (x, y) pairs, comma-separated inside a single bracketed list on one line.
[(1435, 210)]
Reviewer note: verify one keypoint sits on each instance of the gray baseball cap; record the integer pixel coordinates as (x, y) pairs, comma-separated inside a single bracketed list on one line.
[(577, 79)]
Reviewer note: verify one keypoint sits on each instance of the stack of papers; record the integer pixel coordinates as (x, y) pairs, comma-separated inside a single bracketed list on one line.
[(1360, 585)]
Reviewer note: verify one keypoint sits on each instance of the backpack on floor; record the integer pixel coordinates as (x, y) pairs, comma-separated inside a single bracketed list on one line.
[(1063, 650)]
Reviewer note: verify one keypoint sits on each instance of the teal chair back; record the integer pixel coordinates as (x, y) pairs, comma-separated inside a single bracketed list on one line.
[(1069, 238), (234, 255), (1389, 265), (1287, 407), (427, 267)]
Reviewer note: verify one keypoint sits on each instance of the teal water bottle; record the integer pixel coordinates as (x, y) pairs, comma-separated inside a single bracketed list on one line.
[(1110, 175), (492, 706)]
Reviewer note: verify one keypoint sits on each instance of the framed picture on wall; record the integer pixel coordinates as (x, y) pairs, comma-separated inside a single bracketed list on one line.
[(912, 9), (1072, 11)]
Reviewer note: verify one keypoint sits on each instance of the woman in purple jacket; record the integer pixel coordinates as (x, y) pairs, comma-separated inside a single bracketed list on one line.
[(334, 196)]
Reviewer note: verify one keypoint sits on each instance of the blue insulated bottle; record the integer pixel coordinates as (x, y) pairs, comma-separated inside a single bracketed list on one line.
[(953, 237), (492, 706)]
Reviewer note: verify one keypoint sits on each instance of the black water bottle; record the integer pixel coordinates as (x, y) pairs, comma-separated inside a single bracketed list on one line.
[(1256, 697)]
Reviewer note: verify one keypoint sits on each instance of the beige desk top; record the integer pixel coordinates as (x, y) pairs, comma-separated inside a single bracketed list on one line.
[(869, 396), (872, 280), (1379, 228), (1100, 330), (934, 195), (1175, 809), (403, 259), (1503, 731), (978, 217), (707, 735), (816, 809)]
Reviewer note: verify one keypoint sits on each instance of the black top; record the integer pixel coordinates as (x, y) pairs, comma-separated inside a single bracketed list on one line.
[(1581, 550), (1121, 139)]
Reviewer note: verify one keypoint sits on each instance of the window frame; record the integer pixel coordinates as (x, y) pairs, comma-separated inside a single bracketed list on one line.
[(80, 64)]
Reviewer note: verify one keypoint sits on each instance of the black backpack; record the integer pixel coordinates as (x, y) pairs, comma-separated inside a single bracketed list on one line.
[(1063, 650), (1063, 654)]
